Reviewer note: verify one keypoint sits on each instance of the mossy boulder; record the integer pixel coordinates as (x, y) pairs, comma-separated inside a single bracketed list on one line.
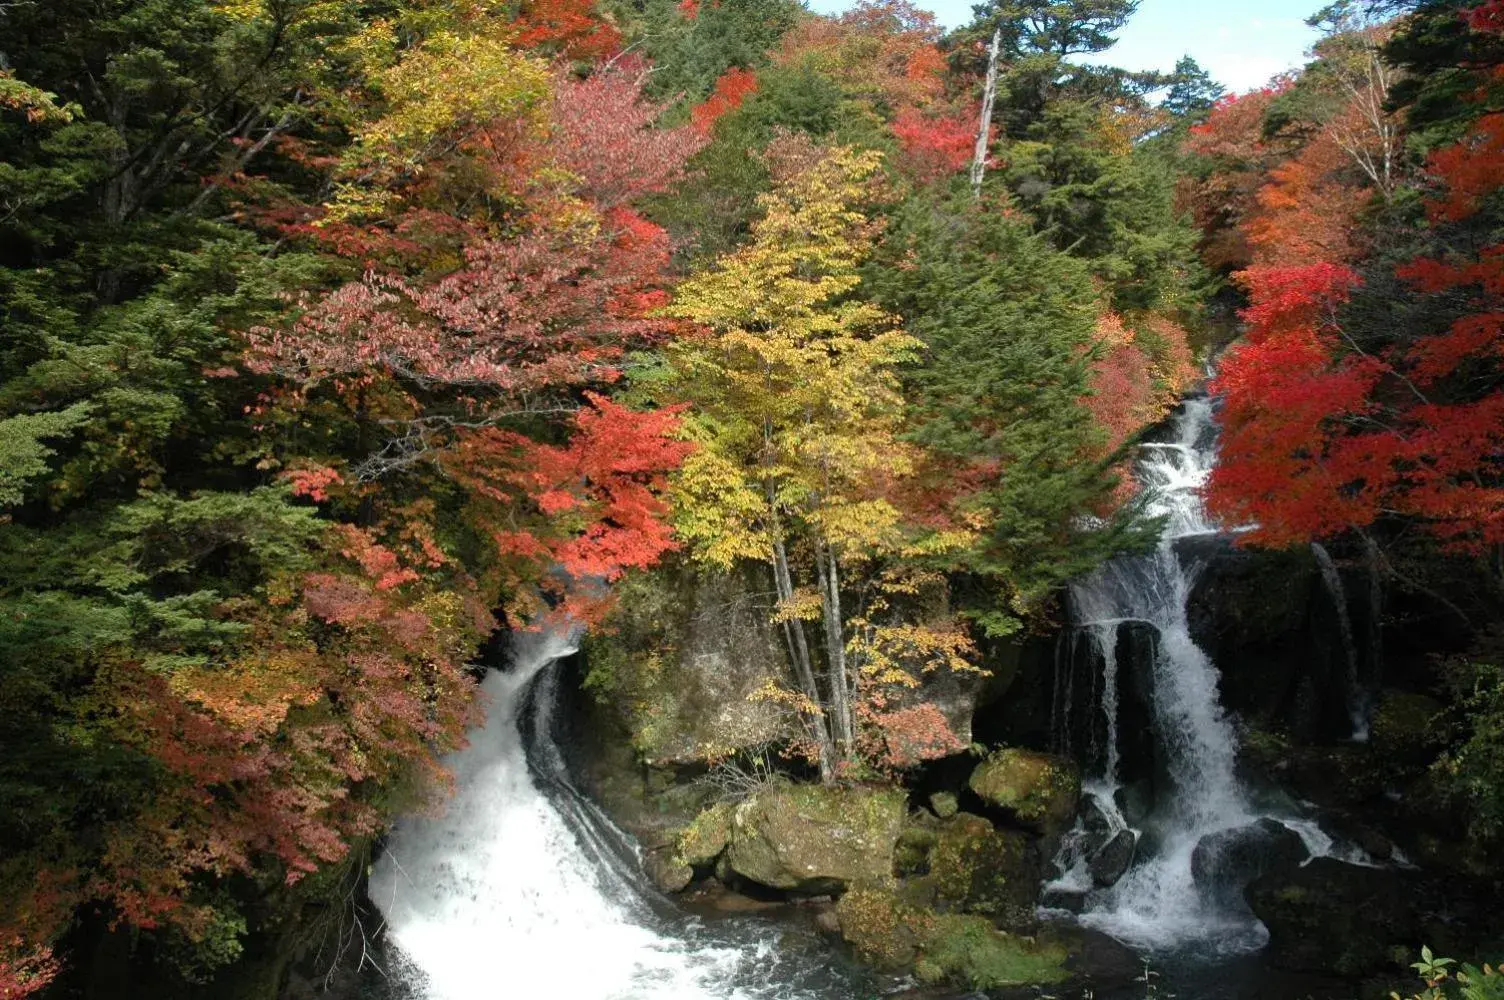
[(668, 872), (884, 930), (944, 804), (707, 835), (814, 839), (979, 869), (965, 950), (1039, 791), (970, 951), (1406, 727), (912, 855)]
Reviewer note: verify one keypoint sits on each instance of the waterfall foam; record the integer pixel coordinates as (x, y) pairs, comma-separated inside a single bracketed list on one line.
[(522, 887)]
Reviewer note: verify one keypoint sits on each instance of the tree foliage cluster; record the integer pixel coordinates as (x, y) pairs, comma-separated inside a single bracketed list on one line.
[(339, 334), (1357, 205), (1360, 219)]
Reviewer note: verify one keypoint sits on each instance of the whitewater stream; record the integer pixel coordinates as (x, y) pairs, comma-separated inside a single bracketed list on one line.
[(524, 888)]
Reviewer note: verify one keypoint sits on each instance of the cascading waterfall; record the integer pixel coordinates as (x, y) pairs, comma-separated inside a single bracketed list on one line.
[(522, 887), (1105, 639), (1157, 904)]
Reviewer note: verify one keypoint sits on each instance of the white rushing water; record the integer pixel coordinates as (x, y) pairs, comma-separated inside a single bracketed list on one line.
[(522, 888), (1157, 904)]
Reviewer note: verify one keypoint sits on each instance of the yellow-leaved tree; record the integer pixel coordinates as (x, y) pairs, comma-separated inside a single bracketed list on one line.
[(796, 408)]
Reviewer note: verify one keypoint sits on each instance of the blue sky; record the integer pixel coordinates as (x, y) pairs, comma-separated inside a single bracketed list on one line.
[(1243, 44)]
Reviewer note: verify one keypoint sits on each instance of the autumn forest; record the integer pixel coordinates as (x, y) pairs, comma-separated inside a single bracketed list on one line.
[(341, 340)]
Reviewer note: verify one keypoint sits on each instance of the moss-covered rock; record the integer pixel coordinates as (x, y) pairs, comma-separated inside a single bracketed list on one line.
[(979, 869), (912, 855), (707, 835), (1037, 790), (681, 662), (814, 839), (883, 930), (944, 804), (668, 871), (965, 950), (970, 951)]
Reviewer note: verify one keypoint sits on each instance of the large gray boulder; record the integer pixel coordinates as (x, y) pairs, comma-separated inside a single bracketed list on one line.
[(813, 839)]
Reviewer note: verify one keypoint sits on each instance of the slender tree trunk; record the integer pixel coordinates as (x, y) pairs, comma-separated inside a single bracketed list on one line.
[(984, 132), (835, 645), (798, 647)]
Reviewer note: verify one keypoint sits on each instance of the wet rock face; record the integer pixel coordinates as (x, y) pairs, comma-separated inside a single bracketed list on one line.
[(1224, 862), (1038, 791), (684, 654), (811, 839), (1332, 917), (1251, 612), (1112, 861)]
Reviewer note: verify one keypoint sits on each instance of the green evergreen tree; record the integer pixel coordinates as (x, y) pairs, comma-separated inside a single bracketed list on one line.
[(1007, 323), (1054, 27), (1192, 94), (691, 52)]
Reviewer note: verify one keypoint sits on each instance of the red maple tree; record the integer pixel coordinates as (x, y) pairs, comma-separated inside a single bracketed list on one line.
[(731, 89), (934, 147), (1324, 434)]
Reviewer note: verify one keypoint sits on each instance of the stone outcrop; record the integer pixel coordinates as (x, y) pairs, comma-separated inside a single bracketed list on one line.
[(813, 839), (681, 662), (1038, 791)]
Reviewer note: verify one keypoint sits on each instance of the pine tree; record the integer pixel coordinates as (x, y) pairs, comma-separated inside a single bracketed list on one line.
[(1007, 324)]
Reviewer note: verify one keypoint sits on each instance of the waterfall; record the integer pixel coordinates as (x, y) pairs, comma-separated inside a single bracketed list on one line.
[(1357, 700), (1105, 638), (522, 887), (1157, 903)]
